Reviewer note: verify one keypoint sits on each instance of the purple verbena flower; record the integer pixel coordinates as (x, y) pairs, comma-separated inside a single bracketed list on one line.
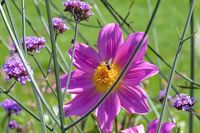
[(161, 96), (13, 124), (82, 10), (183, 102), (97, 71), (59, 25), (14, 68), (10, 106), (33, 44)]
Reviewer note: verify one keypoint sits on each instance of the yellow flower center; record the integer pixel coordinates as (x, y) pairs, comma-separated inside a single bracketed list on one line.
[(104, 76)]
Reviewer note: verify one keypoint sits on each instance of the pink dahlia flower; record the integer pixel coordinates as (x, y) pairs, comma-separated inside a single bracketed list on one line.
[(97, 71), (165, 127)]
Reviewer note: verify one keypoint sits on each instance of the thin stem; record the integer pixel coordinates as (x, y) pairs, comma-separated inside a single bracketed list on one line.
[(23, 27), (10, 88), (116, 125), (13, 25), (56, 66), (123, 71), (72, 58), (40, 110), (174, 66), (191, 66), (155, 39), (26, 66), (49, 65)]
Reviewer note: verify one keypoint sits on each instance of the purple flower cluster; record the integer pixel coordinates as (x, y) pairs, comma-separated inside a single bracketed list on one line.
[(13, 124), (14, 68), (183, 102), (33, 44), (82, 10), (59, 25), (10, 106)]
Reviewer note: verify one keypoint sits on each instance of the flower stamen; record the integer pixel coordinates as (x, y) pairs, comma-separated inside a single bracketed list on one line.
[(104, 76)]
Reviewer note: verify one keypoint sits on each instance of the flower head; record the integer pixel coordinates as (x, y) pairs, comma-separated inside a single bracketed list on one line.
[(33, 44), (183, 102), (10, 106), (14, 68), (59, 25), (82, 10), (97, 71), (13, 124)]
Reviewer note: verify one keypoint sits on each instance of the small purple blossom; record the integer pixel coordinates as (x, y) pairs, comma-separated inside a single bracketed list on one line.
[(183, 102), (161, 96), (13, 124), (82, 10), (33, 44), (10, 106), (14, 68), (59, 25)]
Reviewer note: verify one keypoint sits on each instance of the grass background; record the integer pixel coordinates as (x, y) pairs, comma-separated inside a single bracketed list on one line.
[(170, 18)]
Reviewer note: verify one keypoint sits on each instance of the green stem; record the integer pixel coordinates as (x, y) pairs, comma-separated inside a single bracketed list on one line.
[(23, 27), (56, 66), (40, 111), (116, 125), (191, 67), (10, 88), (72, 57), (174, 66)]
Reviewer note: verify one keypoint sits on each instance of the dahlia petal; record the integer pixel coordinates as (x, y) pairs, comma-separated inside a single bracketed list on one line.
[(124, 52), (138, 72), (79, 81), (107, 112), (85, 57), (136, 129), (165, 127), (133, 99), (81, 104), (110, 38)]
